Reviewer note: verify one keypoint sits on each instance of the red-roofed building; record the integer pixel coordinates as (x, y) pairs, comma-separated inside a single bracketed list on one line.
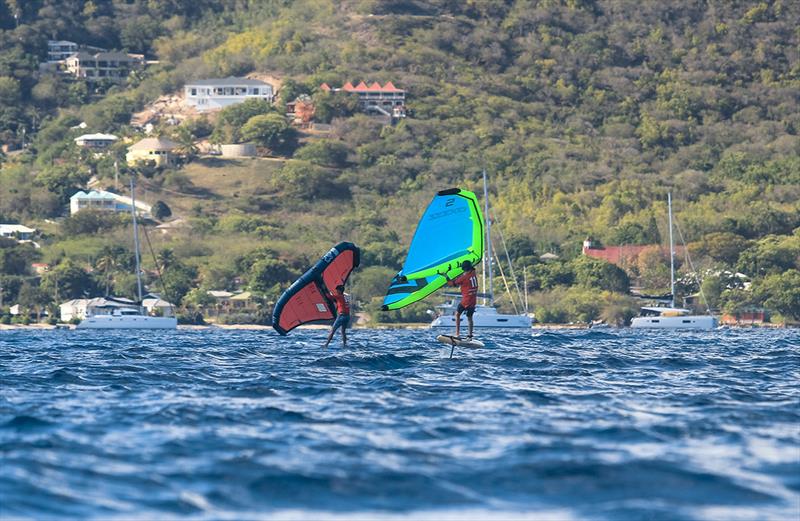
[(387, 100), (622, 256)]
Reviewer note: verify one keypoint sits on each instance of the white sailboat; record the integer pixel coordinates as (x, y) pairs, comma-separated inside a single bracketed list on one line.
[(133, 316), (485, 315), (671, 317)]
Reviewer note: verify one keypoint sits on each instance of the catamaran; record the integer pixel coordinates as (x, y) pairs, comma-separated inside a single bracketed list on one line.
[(672, 317), (486, 315), (128, 316)]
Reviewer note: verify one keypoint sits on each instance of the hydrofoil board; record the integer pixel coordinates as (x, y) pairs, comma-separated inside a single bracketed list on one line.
[(460, 341)]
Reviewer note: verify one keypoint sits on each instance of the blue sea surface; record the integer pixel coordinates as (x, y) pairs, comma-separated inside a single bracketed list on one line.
[(222, 424)]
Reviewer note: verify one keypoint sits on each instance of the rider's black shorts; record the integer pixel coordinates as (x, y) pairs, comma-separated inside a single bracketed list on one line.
[(470, 310)]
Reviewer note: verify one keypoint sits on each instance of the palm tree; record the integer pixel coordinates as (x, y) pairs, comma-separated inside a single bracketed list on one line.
[(106, 264), (166, 258), (185, 139)]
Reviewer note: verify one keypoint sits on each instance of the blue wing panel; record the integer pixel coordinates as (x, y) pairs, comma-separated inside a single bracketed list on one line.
[(444, 233)]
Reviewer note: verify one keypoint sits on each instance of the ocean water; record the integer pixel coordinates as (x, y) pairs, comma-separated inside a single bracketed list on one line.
[(213, 424)]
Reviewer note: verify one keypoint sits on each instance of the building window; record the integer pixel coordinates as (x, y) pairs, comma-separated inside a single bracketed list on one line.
[(194, 92)]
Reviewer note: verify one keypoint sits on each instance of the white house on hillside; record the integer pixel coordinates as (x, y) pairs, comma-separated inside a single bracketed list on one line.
[(106, 201), (95, 141), (113, 66), (219, 93), (58, 50), (16, 231)]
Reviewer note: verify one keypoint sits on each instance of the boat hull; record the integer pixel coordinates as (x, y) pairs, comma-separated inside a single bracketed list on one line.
[(128, 322), (679, 322), (487, 320)]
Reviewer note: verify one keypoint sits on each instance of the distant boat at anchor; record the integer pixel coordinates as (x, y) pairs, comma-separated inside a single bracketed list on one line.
[(120, 314), (655, 317)]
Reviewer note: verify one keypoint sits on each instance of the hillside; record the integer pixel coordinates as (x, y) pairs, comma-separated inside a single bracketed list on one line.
[(584, 113)]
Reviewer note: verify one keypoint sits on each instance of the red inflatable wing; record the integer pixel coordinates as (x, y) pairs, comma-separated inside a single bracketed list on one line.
[(307, 299)]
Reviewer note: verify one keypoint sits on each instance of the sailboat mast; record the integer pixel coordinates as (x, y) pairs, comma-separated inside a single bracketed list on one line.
[(136, 240), (671, 252), (488, 258)]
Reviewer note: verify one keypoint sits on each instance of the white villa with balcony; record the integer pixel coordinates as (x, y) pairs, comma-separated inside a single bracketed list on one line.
[(59, 50), (218, 93), (95, 141), (106, 201), (113, 66)]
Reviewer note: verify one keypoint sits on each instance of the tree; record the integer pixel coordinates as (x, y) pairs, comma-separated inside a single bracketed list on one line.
[(267, 273), (771, 255), (185, 139), (595, 273), (723, 247), (780, 292), (63, 180), (161, 211), (231, 119), (9, 91), (653, 268), (15, 258), (325, 152), (178, 280), (304, 180), (166, 258), (68, 280), (89, 221), (106, 264), (329, 105), (550, 274), (31, 298), (271, 131)]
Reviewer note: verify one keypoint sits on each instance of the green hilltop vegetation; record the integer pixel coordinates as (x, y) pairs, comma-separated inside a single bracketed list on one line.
[(584, 113)]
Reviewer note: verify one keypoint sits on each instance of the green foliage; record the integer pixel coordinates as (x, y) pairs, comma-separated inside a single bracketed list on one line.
[(724, 247), (31, 298), (63, 181), (15, 258), (632, 232), (267, 275), (305, 180), (325, 152), (370, 283), (230, 120), (161, 210), (271, 131), (329, 105), (178, 279), (780, 292), (594, 273), (68, 280), (579, 305), (90, 221), (772, 254), (653, 269), (549, 275), (9, 91)]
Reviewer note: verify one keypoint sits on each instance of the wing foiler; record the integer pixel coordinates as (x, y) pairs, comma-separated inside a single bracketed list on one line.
[(307, 300), (449, 232)]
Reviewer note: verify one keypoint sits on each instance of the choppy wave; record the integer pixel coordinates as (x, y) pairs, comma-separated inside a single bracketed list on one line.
[(216, 424)]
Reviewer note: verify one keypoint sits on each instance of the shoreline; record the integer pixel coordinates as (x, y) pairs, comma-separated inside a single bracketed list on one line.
[(417, 325)]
